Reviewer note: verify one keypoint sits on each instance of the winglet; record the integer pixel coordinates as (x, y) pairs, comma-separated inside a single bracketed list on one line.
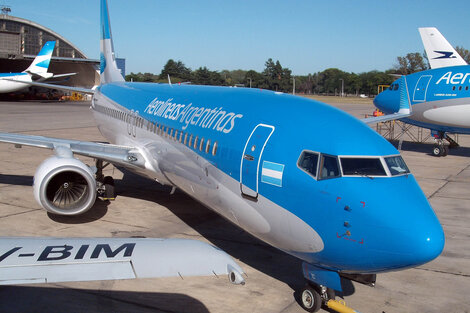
[(41, 62), (109, 71), (439, 51), (405, 105)]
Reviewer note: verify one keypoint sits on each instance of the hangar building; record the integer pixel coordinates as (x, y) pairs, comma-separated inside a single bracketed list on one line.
[(21, 40)]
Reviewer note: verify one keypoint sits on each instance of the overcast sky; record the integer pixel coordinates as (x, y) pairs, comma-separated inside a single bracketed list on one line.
[(305, 36)]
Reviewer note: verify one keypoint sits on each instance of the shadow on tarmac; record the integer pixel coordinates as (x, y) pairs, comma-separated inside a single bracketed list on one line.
[(48, 299), (426, 148), (222, 233)]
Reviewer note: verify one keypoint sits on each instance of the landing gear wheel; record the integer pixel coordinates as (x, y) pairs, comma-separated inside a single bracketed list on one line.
[(446, 151), (437, 150), (109, 193), (310, 299)]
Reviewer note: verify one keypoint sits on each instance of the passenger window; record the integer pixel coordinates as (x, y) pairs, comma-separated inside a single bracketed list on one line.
[(208, 146), (190, 140), (460, 87), (214, 148), (328, 167), (181, 137), (201, 145), (185, 139), (195, 142), (453, 87), (395, 87), (308, 162)]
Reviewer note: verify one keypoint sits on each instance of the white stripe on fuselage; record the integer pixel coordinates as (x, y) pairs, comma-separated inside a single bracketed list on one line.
[(271, 173)]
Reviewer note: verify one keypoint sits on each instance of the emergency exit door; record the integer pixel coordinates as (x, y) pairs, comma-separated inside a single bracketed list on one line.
[(421, 88), (251, 157)]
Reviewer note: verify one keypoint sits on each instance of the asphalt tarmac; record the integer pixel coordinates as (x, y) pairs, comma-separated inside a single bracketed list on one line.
[(144, 208)]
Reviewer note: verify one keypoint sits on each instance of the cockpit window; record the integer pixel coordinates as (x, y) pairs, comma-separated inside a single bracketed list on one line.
[(362, 166), (328, 167), (309, 162), (395, 87), (396, 165)]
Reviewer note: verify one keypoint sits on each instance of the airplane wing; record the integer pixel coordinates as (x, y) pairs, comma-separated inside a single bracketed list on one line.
[(119, 155), (439, 51), (26, 260), (384, 118), (58, 87), (404, 108)]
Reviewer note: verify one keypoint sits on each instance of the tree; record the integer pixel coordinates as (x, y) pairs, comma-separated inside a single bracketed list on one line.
[(176, 70), (277, 78), (142, 77), (464, 53), (203, 76), (411, 63)]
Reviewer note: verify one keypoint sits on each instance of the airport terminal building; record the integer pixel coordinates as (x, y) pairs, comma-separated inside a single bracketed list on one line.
[(21, 40)]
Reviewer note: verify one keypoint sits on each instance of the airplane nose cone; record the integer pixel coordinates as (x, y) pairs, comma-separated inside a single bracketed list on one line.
[(427, 244)]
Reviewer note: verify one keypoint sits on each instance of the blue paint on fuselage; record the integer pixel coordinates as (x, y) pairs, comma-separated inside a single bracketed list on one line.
[(12, 74), (390, 222)]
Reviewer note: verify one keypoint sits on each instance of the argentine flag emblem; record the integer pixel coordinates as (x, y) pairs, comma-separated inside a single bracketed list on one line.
[(271, 173)]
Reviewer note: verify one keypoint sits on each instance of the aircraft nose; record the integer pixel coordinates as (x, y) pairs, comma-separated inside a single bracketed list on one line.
[(386, 102), (426, 243)]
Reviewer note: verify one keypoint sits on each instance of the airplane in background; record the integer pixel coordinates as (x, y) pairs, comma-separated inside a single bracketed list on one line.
[(26, 260), (305, 177), (439, 51), (439, 98), (37, 71)]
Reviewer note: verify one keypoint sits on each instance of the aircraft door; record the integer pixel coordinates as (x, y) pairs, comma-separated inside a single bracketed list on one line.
[(421, 88), (251, 157)]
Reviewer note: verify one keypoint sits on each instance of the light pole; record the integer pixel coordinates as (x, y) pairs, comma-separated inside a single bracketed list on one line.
[(293, 87), (250, 81), (342, 87)]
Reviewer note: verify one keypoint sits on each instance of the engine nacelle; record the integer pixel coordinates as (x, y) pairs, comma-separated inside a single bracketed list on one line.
[(64, 186)]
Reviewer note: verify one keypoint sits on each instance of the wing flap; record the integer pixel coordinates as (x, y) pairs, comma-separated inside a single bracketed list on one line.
[(66, 273)]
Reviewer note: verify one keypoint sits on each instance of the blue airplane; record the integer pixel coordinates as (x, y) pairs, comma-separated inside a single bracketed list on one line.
[(439, 100), (305, 177)]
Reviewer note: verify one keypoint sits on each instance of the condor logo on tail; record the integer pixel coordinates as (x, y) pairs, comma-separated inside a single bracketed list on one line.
[(445, 55)]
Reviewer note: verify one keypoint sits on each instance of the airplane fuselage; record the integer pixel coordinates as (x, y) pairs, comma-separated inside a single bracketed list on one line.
[(440, 99), (248, 155), (12, 86)]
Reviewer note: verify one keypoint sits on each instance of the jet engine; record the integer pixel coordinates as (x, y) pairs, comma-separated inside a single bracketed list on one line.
[(64, 186)]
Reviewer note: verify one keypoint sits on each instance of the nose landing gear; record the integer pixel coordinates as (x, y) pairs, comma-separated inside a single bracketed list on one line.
[(313, 296)]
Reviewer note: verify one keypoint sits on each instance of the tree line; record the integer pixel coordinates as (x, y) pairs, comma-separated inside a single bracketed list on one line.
[(278, 78)]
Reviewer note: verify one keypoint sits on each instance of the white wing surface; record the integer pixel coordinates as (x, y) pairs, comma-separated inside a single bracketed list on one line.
[(26, 260)]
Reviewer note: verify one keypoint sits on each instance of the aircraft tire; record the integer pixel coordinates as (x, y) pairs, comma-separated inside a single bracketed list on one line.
[(446, 150), (310, 299), (437, 150), (109, 192)]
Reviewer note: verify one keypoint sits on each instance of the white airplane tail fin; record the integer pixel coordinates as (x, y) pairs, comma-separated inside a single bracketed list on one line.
[(41, 63), (109, 71), (439, 51)]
